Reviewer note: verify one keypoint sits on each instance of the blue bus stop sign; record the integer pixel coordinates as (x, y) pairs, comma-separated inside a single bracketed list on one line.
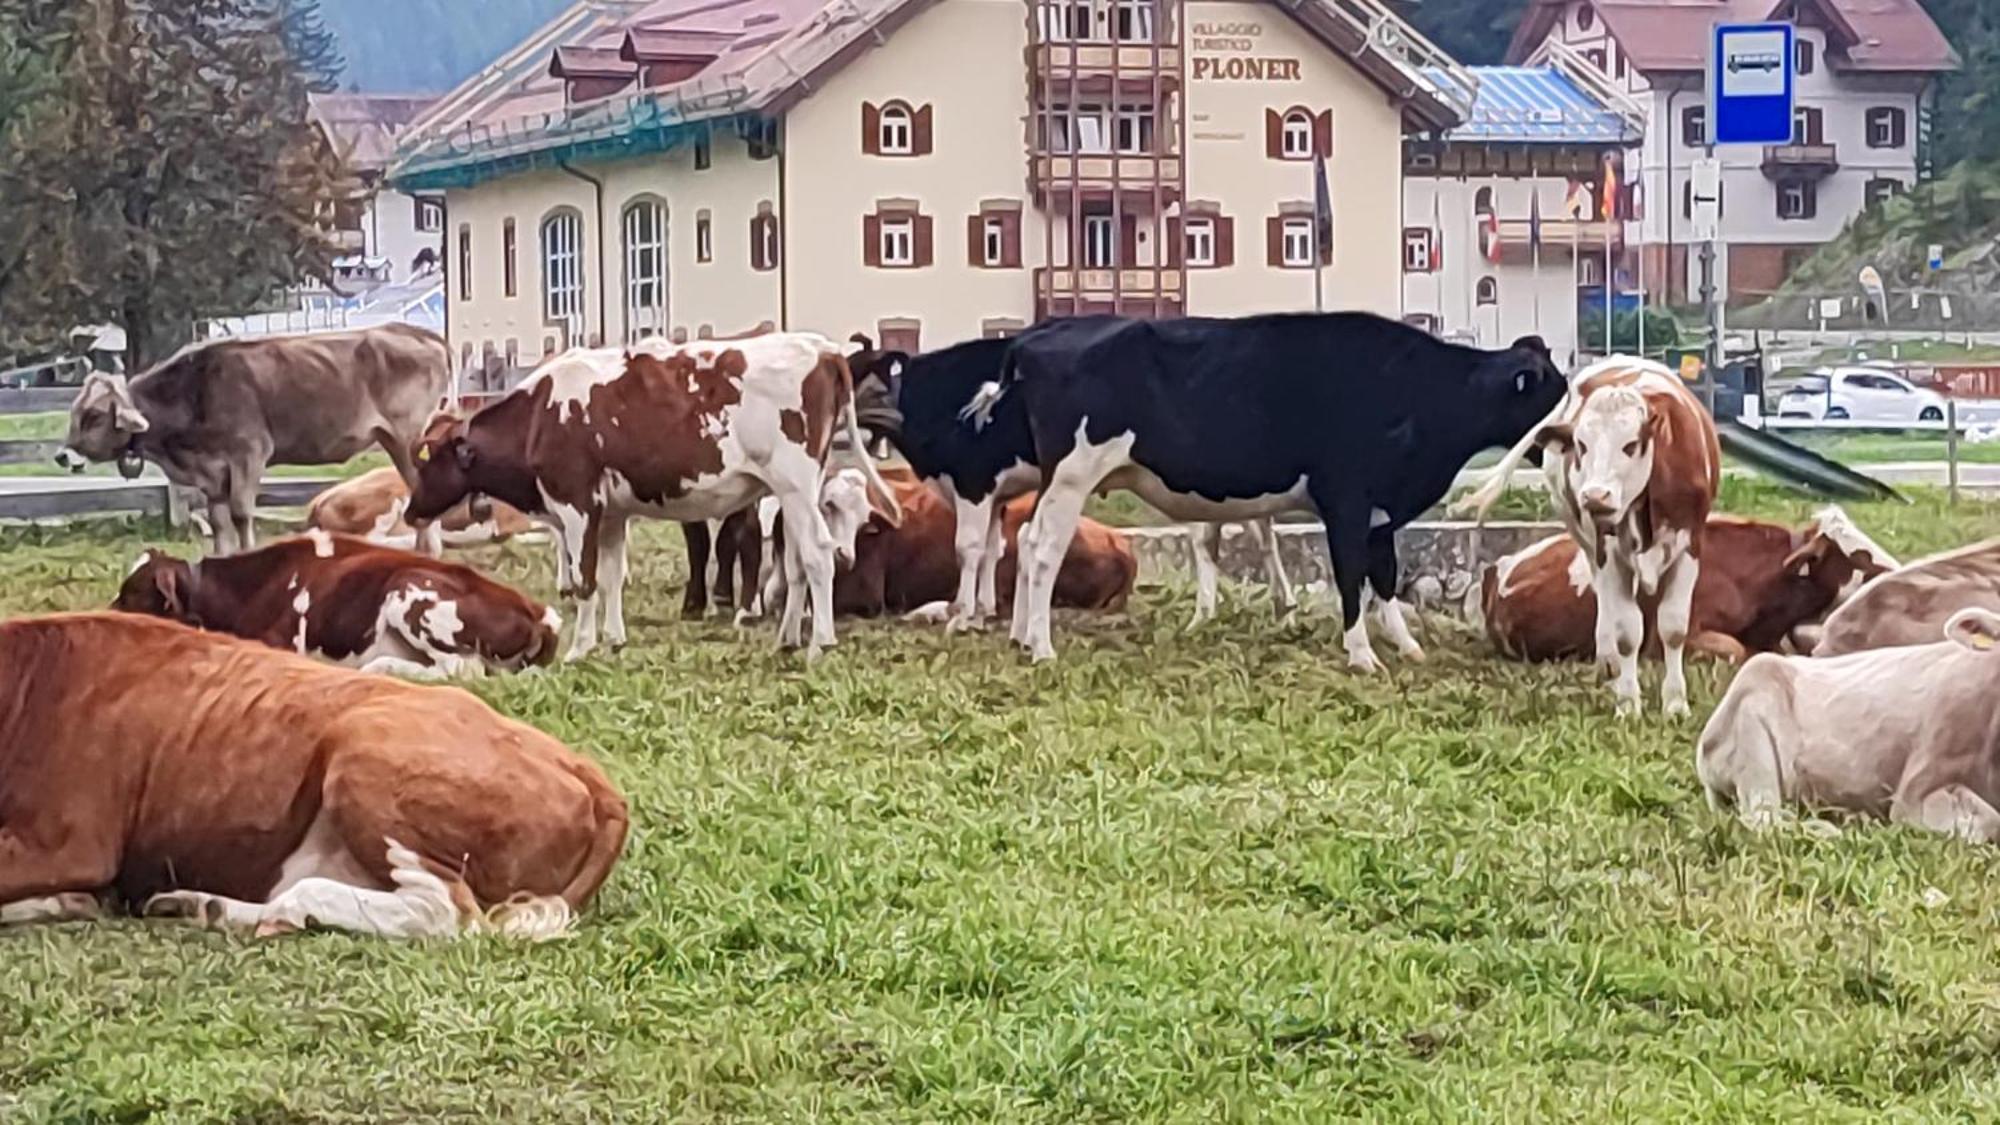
[(1750, 80)]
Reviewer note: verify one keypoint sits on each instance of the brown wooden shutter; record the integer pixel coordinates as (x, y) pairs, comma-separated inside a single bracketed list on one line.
[(1274, 240), (871, 240), (1897, 136), (975, 241), (1323, 133), (920, 132), (1274, 134), (1812, 199), (871, 128), (1010, 239), (1128, 240), (1176, 244), (1325, 252), (757, 244), (1225, 241), (923, 250)]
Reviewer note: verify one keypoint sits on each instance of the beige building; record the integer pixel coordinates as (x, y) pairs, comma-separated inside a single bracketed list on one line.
[(925, 171)]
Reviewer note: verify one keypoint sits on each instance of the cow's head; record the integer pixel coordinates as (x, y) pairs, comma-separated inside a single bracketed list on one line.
[(159, 585), (1975, 627), (1515, 389), (103, 422), (444, 459), (1837, 556), (843, 500), (878, 389), (1610, 448)]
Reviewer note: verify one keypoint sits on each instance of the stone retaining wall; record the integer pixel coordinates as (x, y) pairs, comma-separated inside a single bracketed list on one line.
[(1440, 562)]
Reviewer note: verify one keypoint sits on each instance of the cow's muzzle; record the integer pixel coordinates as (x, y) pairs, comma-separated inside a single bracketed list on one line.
[(70, 459), (1598, 503)]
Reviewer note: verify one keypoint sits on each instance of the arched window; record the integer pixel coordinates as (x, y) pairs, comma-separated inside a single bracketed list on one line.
[(562, 270), (1297, 143), (1489, 291), (1482, 201), (645, 242), (465, 261), (897, 130), (1585, 17), (764, 239)]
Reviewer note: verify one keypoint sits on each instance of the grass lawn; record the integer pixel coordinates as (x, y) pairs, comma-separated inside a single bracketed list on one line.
[(1171, 877)]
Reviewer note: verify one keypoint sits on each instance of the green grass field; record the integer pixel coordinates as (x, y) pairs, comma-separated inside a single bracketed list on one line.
[(1171, 877)]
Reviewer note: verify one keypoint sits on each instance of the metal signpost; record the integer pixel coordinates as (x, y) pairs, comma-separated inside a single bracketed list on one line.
[(1750, 87)]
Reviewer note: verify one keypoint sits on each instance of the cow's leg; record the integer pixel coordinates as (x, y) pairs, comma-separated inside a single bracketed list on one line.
[(1204, 543), (1024, 550), (1676, 612), (611, 576), (577, 532), (420, 635), (694, 603), (69, 906), (421, 906), (1346, 520), (989, 561), (1621, 627), (728, 545), (40, 883), (809, 556), (750, 561), (1953, 809), (243, 503), (1057, 511), (1390, 612), (969, 538), (221, 526), (1282, 595)]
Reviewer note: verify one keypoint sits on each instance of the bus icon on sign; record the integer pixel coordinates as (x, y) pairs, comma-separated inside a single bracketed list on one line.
[(1763, 62)]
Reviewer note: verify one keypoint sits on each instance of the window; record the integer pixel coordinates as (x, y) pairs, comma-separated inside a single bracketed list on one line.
[(1000, 327), (1596, 57), (1067, 21), (1804, 51), (761, 139), (1482, 201), (1298, 243), (509, 253), (1100, 242), (1078, 128), (562, 268), (764, 239), (1297, 143), (899, 242), (1417, 243), (1885, 127), (1586, 17), (645, 233), (464, 262), (1200, 242), (1590, 269), (1134, 128), (992, 241), (704, 238), (430, 216), (1797, 199), (1807, 126), (1488, 291), (1133, 21), (894, 133), (1882, 190), (1694, 126), (1427, 321), (703, 154)]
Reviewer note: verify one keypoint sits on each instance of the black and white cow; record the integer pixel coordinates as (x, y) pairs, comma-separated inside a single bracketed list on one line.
[(1362, 420), (921, 404)]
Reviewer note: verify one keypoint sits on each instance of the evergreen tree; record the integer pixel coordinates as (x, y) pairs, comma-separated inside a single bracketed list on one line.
[(314, 49), (168, 173), (1475, 32)]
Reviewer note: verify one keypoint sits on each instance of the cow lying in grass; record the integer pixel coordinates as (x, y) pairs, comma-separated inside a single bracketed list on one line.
[(373, 608), (187, 774), (1907, 733), (371, 507)]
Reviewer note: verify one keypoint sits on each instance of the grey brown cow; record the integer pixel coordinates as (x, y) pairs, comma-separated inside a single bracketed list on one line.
[(1910, 605), (215, 415), (1904, 733)]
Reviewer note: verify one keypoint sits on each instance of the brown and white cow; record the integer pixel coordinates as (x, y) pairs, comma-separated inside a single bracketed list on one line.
[(371, 507), (1634, 466), (1760, 582), (214, 416), (683, 432), (375, 608), (1909, 606), (1909, 733), (913, 568), (189, 774)]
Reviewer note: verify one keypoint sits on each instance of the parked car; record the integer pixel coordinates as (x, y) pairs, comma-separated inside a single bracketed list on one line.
[(1860, 394)]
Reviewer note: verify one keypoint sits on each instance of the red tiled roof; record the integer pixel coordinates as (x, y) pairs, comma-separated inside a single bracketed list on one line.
[(1673, 35)]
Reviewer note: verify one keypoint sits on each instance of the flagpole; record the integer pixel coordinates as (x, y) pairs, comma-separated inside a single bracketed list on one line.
[(1535, 246), (1575, 287)]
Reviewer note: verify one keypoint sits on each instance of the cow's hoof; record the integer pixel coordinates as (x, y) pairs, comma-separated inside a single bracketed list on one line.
[(1366, 663), (1628, 709), (191, 906), (1677, 709), (1415, 653)]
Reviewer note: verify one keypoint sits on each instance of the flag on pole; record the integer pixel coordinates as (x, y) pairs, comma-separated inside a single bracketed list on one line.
[(1437, 234), (1534, 220), (1322, 210), (1574, 203), (1535, 250), (1492, 233)]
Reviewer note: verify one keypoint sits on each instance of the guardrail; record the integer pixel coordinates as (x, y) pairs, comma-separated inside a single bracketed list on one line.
[(147, 496), (36, 400)]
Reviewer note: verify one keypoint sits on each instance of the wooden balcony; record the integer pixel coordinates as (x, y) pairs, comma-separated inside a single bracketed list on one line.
[(1056, 61), (1131, 282), (1790, 162), (1053, 176)]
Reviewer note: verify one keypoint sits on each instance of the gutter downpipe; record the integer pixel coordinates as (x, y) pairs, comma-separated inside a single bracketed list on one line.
[(784, 236), (596, 185)]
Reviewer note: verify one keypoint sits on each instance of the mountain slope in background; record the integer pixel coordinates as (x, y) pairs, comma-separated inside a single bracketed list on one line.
[(427, 46)]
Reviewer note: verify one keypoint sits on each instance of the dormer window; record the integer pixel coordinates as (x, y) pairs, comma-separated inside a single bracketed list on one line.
[(589, 73)]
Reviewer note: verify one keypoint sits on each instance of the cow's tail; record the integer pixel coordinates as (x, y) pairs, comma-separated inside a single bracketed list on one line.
[(613, 819), (884, 495), (979, 411)]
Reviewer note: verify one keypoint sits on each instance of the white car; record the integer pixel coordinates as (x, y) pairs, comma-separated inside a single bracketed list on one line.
[(1860, 394)]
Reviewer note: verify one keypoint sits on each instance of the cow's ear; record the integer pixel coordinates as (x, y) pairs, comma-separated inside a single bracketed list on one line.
[(1533, 344), (129, 419), (171, 580), (1800, 563), (1975, 628), (1558, 434)]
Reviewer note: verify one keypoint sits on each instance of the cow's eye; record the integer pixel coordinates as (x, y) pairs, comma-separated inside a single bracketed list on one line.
[(1631, 449), (1582, 450)]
